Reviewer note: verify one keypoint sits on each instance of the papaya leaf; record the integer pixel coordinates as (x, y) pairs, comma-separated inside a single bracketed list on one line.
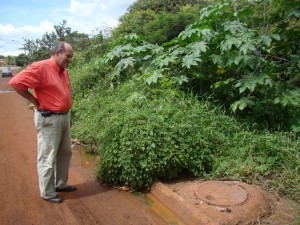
[(227, 44), (222, 83), (164, 60), (130, 38), (181, 79), (113, 54), (234, 26), (189, 33), (217, 59), (252, 80), (266, 39), (190, 60), (242, 103), (154, 77), (195, 34), (295, 123), (236, 59), (157, 50), (212, 11), (198, 47), (288, 96), (147, 57), (124, 63), (119, 52), (143, 48), (207, 34), (276, 37), (246, 47)]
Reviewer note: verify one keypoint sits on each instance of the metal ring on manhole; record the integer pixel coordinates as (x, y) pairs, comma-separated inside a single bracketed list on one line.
[(222, 193)]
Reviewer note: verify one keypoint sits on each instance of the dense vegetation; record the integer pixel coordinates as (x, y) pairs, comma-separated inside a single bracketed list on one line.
[(218, 98)]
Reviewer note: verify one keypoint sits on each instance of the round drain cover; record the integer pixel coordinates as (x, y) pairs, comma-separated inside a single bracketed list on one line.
[(222, 193)]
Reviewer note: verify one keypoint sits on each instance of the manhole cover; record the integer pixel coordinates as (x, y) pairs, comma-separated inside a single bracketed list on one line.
[(222, 193)]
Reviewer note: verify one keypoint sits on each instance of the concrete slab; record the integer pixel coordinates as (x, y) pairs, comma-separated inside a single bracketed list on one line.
[(213, 202)]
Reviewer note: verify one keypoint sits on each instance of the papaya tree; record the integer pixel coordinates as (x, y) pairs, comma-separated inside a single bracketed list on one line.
[(241, 54)]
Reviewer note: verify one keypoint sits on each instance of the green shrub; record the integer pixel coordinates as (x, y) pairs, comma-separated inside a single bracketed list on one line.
[(146, 144), (143, 135), (86, 76)]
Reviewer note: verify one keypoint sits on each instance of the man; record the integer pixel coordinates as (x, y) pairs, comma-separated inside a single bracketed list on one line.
[(52, 101)]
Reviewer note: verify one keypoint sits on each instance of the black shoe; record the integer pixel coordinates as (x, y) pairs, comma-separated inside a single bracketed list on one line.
[(54, 199), (66, 189)]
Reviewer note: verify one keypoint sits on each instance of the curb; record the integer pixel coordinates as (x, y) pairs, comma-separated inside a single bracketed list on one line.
[(180, 206)]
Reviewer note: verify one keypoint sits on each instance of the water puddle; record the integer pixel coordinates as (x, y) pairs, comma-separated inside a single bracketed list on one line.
[(162, 211), (159, 208), (87, 160)]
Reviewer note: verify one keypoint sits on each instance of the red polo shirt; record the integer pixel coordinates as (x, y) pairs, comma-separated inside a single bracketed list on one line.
[(51, 85)]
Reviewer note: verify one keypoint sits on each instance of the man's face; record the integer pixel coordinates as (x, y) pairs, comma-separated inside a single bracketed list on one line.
[(64, 58)]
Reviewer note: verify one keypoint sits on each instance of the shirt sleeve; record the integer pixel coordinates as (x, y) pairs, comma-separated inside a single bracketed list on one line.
[(28, 78)]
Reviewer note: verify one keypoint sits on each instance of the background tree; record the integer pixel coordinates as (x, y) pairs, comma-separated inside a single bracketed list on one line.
[(163, 5), (10, 60), (158, 20), (41, 48), (22, 60)]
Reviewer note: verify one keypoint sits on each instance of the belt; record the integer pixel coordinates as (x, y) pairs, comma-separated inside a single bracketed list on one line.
[(50, 112)]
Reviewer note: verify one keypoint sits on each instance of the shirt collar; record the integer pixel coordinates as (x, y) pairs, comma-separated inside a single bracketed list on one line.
[(55, 66)]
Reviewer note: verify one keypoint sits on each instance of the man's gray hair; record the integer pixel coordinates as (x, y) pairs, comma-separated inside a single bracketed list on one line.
[(59, 46)]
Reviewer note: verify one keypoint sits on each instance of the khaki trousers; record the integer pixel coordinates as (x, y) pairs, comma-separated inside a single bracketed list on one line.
[(54, 152)]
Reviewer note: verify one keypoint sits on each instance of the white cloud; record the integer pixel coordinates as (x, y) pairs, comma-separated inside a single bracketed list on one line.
[(86, 9), (12, 38), (84, 16)]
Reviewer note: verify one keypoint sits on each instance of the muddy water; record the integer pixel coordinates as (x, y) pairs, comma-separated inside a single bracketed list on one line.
[(90, 161), (162, 211), (87, 161)]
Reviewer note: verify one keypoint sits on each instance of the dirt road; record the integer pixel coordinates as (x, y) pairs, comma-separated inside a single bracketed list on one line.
[(20, 203)]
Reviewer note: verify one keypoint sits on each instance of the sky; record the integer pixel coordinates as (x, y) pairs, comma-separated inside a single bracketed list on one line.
[(31, 19)]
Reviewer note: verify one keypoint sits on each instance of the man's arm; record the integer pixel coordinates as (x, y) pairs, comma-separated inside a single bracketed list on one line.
[(27, 95)]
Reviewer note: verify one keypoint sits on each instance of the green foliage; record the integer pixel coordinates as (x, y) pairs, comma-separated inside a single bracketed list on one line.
[(130, 103), (10, 60), (143, 137), (161, 5), (144, 134), (146, 144), (86, 76), (22, 60), (133, 23), (158, 21), (274, 156), (245, 68), (167, 25)]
